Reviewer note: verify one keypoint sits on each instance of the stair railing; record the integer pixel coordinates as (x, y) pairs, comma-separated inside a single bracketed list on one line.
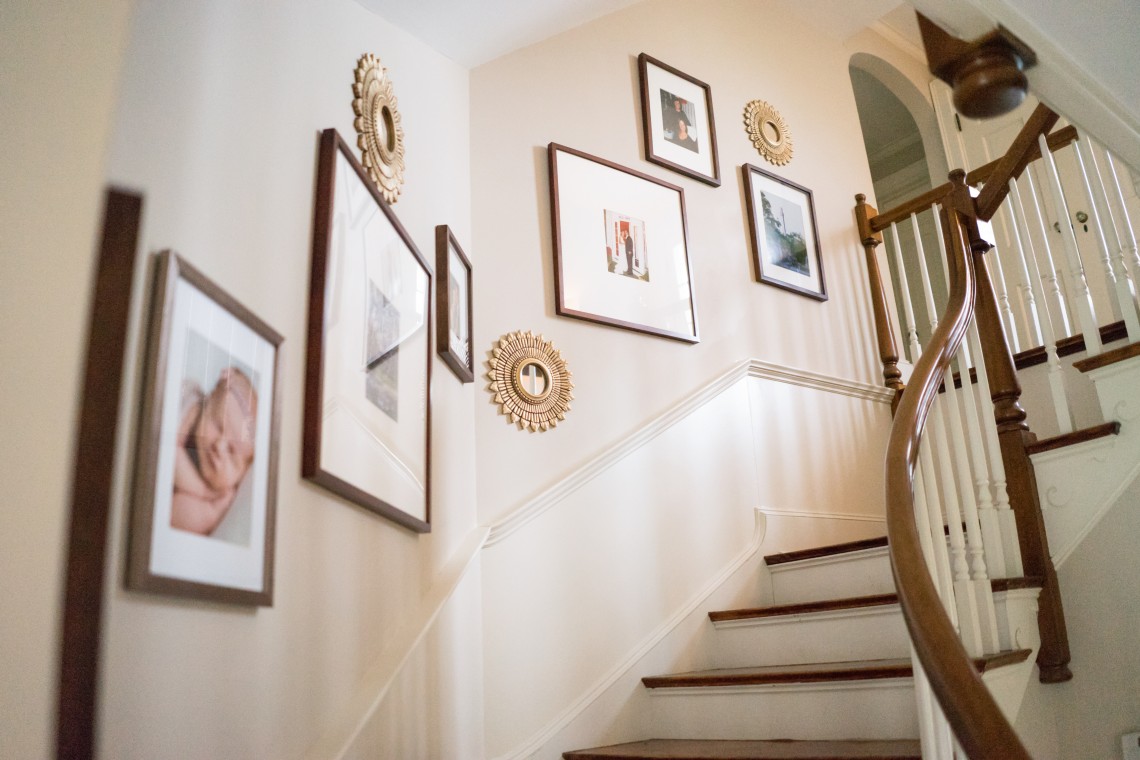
[(963, 503)]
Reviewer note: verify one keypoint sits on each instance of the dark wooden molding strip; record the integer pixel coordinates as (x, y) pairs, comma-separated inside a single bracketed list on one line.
[(729, 749), (1077, 436), (1108, 357), (1073, 344), (92, 478), (1010, 584), (805, 608), (825, 551), (821, 672)]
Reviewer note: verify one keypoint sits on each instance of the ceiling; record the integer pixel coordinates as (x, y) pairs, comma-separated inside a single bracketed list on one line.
[(473, 32)]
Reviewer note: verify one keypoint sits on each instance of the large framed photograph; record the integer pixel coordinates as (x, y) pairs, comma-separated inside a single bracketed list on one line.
[(453, 304), (677, 116), (621, 254), (785, 240), (368, 364), (202, 522)]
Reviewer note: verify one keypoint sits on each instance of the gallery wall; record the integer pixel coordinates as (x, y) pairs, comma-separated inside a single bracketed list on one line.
[(217, 124), (570, 595), (59, 64)]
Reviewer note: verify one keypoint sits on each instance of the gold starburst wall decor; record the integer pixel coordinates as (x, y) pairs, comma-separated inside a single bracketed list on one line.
[(379, 134), (768, 132), (530, 381)]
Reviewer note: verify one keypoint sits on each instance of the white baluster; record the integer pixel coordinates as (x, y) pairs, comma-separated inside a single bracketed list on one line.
[(937, 741), (1086, 314), (1033, 326), (1130, 239), (1049, 275), (1056, 376), (1009, 322), (908, 307), (928, 519), (1111, 257), (1105, 219)]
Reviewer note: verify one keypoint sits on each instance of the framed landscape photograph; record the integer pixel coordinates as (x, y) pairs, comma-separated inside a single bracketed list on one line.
[(202, 521), (785, 241), (368, 362), (453, 304), (621, 254), (677, 117)]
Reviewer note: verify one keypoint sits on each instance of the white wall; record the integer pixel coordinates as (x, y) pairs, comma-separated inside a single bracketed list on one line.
[(59, 62), (217, 124)]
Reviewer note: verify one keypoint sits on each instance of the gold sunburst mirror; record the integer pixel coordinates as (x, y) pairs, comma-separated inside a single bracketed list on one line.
[(530, 381), (378, 130), (768, 132)]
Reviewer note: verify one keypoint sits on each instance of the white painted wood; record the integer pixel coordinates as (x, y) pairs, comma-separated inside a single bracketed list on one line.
[(833, 636), (878, 709), (1056, 379), (928, 520), (1059, 307), (1034, 303), (867, 571), (1104, 228), (1008, 320), (1131, 254), (1123, 244), (908, 306), (1082, 298)]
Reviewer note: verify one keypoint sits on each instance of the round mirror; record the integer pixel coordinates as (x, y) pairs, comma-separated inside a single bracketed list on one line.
[(533, 380)]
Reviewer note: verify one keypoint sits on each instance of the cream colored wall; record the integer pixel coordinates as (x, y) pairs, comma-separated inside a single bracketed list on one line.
[(581, 89), (59, 62), (573, 593), (217, 124)]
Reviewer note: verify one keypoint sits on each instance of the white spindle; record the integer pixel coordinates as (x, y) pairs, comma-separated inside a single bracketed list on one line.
[(908, 307), (1049, 275), (1009, 322), (1056, 377), (928, 520), (937, 740), (1130, 251), (1111, 257), (1086, 314), (1123, 247), (1028, 298), (1106, 222)]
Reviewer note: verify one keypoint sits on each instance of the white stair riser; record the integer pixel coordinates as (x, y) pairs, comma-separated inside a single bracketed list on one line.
[(854, 574), (882, 709), (865, 634)]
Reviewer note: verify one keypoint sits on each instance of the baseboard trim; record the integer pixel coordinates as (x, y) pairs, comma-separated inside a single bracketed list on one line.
[(629, 661), (611, 456), (823, 515)]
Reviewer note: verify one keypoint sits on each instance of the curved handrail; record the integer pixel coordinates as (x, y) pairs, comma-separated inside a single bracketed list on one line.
[(977, 721)]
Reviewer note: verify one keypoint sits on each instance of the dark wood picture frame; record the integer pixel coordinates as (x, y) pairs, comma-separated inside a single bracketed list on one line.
[(799, 276), (188, 575), (92, 477), (586, 240), (694, 156), (446, 308), (318, 366)]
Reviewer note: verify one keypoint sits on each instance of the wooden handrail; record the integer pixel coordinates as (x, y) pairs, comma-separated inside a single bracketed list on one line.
[(975, 717), (1056, 140), (1013, 163)]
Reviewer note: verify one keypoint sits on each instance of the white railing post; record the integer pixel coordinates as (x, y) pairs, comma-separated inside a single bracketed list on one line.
[(1086, 314), (1056, 376), (1111, 258), (1130, 251), (1025, 287), (1106, 222), (1049, 275)]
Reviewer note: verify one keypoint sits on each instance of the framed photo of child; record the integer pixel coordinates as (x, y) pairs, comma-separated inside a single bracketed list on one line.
[(677, 119), (204, 504)]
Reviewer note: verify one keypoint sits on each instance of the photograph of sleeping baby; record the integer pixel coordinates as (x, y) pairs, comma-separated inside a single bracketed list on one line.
[(215, 445)]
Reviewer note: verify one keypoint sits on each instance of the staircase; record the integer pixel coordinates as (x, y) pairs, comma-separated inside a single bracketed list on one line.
[(824, 671)]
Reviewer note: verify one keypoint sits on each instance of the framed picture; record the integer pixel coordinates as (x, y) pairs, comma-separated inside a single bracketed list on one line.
[(621, 254), (453, 304), (202, 521), (677, 115), (785, 241), (368, 364)]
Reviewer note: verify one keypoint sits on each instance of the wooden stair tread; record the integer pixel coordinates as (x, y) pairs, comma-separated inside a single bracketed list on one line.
[(803, 608), (1073, 344), (825, 551), (1077, 436), (723, 749), (1108, 357), (815, 672)]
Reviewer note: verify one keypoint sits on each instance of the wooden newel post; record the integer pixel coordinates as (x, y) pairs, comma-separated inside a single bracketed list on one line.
[(883, 330), (1014, 435)]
